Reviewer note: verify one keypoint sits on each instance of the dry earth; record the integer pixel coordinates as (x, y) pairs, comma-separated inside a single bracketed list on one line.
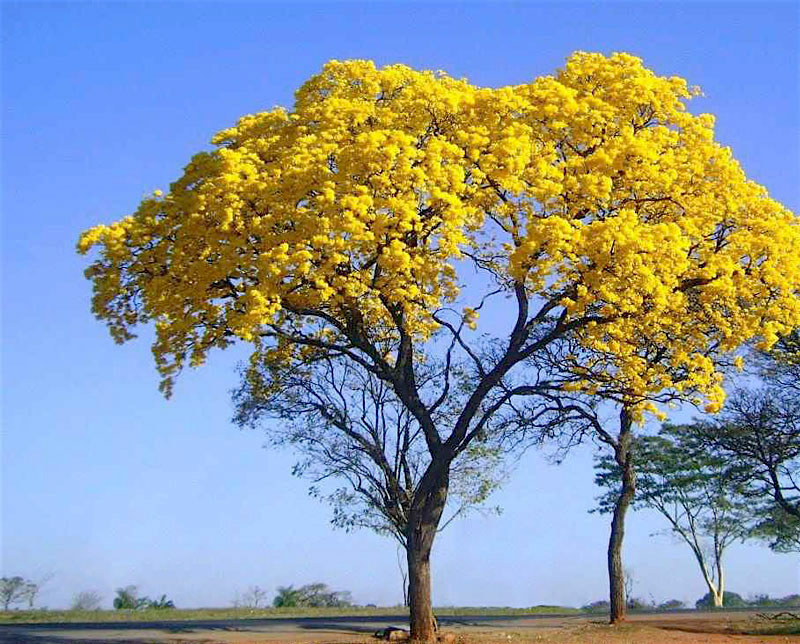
[(684, 628)]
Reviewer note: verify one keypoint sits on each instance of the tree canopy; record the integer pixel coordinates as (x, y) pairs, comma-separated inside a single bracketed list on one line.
[(340, 226)]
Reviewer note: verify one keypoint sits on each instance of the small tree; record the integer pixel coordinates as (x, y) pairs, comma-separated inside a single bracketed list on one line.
[(254, 597), (287, 597), (13, 590), (693, 489), (161, 603), (128, 599), (316, 595), (86, 600)]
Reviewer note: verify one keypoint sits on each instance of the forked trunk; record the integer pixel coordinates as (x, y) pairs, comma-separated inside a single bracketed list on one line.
[(616, 574), (718, 589)]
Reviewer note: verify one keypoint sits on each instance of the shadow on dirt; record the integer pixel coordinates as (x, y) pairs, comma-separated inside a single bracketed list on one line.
[(46, 638), (42, 636), (341, 628)]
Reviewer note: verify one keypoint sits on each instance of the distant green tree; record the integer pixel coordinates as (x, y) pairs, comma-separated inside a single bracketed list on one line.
[(287, 597), (13, 590), (729, 600), (758, 432), (790, 601), (315, 595), (637, 603), (672, 604), (128, 599), (162, 603), (693, 489)]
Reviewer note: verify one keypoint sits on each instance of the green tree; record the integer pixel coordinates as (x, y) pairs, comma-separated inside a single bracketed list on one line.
[(287, 597), (13, 590), (316, 595), (695, 490), (128, 599), (161, 603), (758, 433)]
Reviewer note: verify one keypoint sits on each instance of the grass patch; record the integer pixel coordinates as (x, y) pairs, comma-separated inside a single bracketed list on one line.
[(212, 614)]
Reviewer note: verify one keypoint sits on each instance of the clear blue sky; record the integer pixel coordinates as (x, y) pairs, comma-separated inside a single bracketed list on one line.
[(103, 482)]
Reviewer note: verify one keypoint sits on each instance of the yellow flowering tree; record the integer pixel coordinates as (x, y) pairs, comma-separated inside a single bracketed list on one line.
[(375, 221)]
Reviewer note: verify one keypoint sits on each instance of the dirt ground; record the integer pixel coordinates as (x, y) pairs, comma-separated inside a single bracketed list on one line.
[(682, 628)]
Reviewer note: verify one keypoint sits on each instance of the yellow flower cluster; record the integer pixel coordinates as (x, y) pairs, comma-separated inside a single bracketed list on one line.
[(595, 187)]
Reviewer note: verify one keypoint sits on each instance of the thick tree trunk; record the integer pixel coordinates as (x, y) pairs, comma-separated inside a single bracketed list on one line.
[(616, 573), (419, 543), (423, 623)]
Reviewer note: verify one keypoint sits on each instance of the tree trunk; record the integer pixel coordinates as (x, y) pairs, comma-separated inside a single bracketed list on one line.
[(715, 590), (422, 527), (616, 574), (423, 624), (718, 592)]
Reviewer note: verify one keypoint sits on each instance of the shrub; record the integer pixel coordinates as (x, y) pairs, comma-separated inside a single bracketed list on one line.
[(86, 600)]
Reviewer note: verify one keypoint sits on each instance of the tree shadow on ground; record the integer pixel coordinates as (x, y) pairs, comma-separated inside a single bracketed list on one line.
[(47, 638), (342, 628)]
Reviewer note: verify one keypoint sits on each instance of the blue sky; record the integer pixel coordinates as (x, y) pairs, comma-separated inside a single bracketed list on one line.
[(104, 483)]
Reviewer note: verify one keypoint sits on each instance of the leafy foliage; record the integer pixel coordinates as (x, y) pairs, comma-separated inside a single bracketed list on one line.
[(128, 599), (759, 431), (695, 490), (315, 595), (162, 603), (16, 590)]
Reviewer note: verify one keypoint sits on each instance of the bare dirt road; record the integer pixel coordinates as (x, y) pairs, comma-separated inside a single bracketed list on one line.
[(669, 628)]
